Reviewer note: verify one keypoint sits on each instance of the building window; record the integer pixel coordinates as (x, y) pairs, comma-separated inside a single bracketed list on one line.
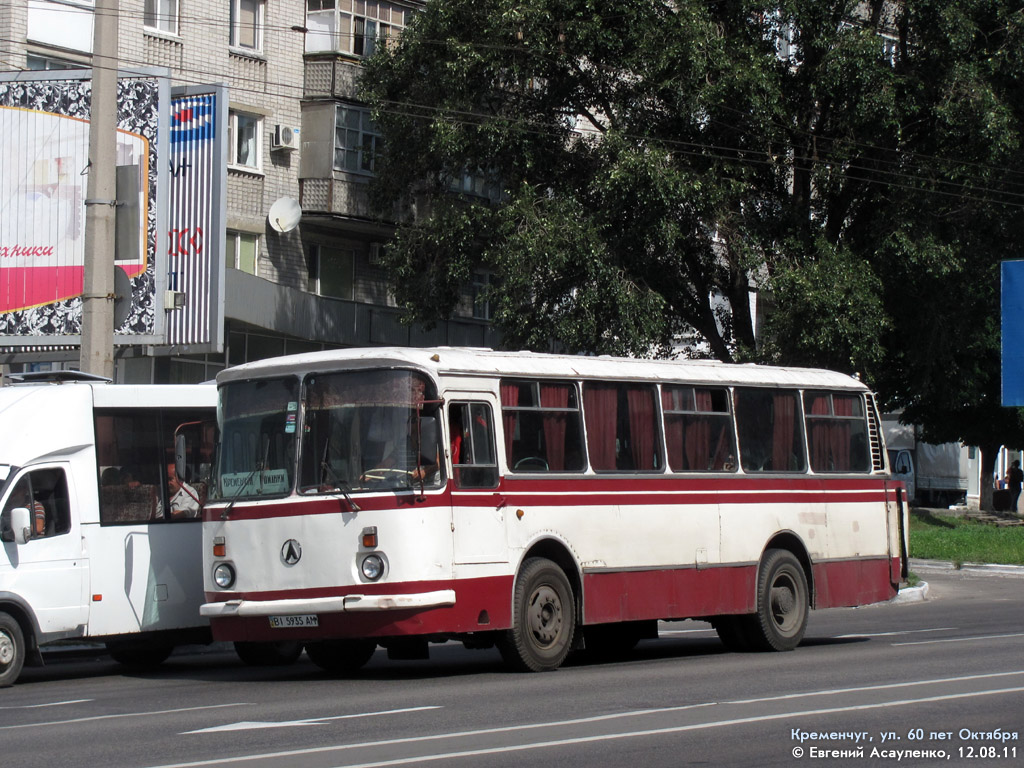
[(247, 24), (480, 291), (244, 133), (356, 142), (353, 26), (243, 251), (332, 272), (38, 63), (161, 15)]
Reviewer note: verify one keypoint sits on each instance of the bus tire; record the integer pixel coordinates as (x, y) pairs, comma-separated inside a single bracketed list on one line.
[(12, 650), (340, 657), (733, 632), (543, 619), (279, 654), (140, 655), (782, 603)]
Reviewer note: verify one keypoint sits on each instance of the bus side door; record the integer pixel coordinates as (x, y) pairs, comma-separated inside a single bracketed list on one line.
[(478, 510), (50, 570)]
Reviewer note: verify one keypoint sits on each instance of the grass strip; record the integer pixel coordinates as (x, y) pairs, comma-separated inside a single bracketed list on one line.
[(960, 540)]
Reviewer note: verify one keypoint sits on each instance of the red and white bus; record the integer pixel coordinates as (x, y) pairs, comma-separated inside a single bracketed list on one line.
[(540, 503)]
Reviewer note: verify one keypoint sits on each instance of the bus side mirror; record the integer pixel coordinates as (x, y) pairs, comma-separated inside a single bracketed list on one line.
[(428, 437), (180, 454)]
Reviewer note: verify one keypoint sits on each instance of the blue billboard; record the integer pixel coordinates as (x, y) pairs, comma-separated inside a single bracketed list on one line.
[(1012, 302)]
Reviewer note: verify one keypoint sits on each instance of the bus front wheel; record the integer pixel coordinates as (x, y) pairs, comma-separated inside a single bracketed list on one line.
[(268, 654), (12, 650), (543, 621), (782, 603), (340, 657)]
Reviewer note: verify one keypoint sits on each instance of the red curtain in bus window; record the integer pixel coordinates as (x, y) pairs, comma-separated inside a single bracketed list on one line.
[(820, 432), (509, 399), (673, 432), (698, 434), (554, 396), (783, 438), (600, 404), (640, 401), (843, 405)]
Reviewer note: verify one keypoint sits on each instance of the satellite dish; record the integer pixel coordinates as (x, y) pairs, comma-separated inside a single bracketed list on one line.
[(285, 214), (122, 297)]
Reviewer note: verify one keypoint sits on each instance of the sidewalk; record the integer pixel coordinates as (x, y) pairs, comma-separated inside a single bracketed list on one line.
[(919, 591)]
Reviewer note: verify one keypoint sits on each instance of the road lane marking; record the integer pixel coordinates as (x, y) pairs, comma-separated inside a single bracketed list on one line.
[(614, 716), (879, 687), (889, 634), (254, 724), (120, 715), (50, 704), (962, 639), (662, 731)]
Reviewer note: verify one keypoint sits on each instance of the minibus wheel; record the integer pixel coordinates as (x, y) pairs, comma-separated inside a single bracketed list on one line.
[(782, 603), (543, 620), (139, 654), (12, 650)]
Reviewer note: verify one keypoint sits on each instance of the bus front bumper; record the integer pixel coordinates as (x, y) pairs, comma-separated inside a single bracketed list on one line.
[(347, 603)]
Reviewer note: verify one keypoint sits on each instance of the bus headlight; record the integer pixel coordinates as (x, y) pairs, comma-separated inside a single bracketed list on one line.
[(224, 575), (372, 567)]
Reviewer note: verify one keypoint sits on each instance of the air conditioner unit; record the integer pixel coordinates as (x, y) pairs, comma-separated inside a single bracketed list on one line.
[(285, 137)]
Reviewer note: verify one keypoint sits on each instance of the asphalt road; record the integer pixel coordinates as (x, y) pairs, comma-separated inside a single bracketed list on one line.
[(938, 682)]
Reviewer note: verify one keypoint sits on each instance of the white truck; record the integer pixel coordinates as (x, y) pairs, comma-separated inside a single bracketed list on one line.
[(936, 475), (95, 540)]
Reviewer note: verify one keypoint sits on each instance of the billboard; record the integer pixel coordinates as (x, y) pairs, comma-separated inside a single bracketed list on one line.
[(169, 252), (44, 166), (196, 231), (1012, 311)]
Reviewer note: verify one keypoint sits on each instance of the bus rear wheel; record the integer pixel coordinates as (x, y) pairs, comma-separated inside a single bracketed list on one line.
[(341, 657), (543, 620), (733, 631), (12, 650), (782, 603)]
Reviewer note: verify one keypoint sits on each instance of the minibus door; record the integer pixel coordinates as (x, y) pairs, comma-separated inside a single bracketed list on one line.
[(48, 570)]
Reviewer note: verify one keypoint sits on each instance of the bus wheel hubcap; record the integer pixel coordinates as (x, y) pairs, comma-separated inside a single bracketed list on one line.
[(545, 615), (6, 648)]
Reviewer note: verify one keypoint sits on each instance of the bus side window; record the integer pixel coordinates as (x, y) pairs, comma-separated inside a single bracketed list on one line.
[(471, 440), (768, 427)]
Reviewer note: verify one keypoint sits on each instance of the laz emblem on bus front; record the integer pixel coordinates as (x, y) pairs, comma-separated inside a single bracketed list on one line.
[(291, 552)]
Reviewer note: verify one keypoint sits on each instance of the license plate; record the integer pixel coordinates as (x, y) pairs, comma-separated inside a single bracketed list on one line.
[(302, 620)]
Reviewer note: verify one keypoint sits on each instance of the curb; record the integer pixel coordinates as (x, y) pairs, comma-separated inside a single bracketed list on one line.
[(968, 569), (915, 594)]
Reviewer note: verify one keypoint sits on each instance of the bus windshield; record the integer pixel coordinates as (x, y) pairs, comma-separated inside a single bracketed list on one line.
[(258, 421), (370, 430)]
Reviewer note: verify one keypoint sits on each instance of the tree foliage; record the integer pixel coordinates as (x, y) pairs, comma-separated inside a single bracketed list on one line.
[(649, 166)]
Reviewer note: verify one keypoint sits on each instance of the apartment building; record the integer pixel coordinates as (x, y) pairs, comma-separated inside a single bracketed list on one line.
[(302, 247)]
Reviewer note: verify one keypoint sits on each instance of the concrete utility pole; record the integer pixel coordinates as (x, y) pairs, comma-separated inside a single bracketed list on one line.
[(97, 354)]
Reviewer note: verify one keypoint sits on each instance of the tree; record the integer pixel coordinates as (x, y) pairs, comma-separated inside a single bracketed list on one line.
[(649, 166)]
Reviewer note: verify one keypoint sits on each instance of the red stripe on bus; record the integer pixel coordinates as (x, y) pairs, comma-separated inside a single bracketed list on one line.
[(485, 604)]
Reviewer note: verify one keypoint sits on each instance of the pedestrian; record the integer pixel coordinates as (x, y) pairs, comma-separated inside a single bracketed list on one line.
[(1014, 478)]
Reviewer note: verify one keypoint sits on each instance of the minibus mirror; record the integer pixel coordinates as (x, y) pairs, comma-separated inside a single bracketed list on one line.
[(20, 525)]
